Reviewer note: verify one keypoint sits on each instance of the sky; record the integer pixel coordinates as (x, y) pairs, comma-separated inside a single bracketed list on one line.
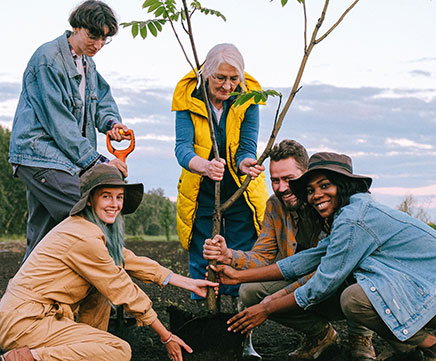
[(368, 89)]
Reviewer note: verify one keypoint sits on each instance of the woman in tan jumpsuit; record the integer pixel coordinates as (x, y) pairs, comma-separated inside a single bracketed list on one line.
[(57, 306)]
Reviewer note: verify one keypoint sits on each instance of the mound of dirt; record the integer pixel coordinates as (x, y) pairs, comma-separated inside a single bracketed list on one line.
[(271, 340)]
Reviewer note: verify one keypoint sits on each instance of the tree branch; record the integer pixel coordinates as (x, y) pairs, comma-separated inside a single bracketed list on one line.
[(180, 43), (337, 22), (217, 215)]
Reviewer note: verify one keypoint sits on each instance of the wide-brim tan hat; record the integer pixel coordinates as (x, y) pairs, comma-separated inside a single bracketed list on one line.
[(106, 175), (333, 162)]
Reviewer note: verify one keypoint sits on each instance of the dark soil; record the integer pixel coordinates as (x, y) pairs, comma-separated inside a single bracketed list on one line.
[(271, 340)]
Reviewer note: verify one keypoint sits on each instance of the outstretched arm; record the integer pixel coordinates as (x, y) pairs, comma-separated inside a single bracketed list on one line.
[(172, 342), (199, 287), (230, 276), (255, 315)]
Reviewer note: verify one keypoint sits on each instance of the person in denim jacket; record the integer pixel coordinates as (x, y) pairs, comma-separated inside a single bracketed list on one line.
[(62, 103), (377, 267)]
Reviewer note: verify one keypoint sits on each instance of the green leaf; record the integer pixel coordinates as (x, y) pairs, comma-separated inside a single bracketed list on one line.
[(259, 96), (159, 11), (135, 29), (125, 25), (171, 5), (148, 3), (154, 7), (143, 31), (152, 29), (284, 2), (158, 25)]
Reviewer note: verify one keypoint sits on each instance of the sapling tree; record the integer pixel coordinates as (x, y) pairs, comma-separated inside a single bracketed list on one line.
[(170, 12)]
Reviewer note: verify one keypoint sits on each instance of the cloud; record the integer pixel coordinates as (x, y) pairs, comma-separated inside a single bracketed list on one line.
[(389, 133), (429, 191), (424, 60), (427, 95), (304, 108), (406, 143), (423, 73), (8, 107), (152, 119), (7, 125), (158, 137)]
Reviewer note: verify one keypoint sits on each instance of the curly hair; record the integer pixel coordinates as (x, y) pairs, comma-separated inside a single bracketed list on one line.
[(290, 148), (95, 16), (346, 187)]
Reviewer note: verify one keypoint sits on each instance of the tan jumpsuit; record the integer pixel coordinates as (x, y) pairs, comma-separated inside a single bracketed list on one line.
[(57, 303)]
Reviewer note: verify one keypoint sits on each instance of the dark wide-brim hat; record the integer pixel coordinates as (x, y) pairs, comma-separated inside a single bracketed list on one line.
[(332, 162), (106, 175)]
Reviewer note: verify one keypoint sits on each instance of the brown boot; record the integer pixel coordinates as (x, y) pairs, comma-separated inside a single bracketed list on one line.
[(314, 346), (361, 348), (19, 354), (429, 353)]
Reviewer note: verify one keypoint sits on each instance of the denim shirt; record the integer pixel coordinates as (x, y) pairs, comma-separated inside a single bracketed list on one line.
[(47, 130), (391, 255)]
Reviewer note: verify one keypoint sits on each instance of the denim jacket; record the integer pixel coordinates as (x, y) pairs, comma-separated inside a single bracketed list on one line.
[(47, 130), (391, 255)]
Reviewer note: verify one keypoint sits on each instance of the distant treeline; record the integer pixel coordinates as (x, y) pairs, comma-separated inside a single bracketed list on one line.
[(155, 216)]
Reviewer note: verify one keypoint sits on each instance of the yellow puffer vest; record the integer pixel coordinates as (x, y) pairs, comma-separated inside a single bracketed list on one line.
[(256, 194)]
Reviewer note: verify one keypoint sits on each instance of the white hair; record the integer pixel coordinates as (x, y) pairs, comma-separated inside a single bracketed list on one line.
[(224, 53)]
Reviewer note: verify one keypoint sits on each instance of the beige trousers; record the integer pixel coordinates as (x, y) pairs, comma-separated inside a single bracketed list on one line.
[(56, 337)]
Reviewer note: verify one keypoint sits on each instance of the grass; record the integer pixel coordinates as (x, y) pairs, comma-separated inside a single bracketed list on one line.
[(13, 238), (145, 238)]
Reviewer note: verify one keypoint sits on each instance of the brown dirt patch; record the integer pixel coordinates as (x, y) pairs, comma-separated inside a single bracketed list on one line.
[(271, 340)]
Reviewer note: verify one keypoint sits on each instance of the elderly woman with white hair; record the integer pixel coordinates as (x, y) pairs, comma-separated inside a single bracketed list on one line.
[(236, 131)]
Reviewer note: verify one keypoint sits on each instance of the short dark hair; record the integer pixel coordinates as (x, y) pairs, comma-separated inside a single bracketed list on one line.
[(290, 148), (94, 16)]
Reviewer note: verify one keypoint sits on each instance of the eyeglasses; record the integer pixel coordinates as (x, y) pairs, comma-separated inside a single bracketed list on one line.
[(221, 79), (104, 39)]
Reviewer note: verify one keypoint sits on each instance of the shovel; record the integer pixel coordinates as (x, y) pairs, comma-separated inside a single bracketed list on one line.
[(121, 154), (117, 312)]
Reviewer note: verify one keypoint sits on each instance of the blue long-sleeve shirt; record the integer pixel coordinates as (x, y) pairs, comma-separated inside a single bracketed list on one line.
[(184, 148), (391, 255)]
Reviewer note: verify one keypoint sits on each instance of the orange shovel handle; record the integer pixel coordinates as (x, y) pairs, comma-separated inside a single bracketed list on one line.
[(121, 154)]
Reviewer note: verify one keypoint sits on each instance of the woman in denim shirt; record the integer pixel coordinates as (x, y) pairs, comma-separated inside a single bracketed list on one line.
[(63, 101), (377, 267)]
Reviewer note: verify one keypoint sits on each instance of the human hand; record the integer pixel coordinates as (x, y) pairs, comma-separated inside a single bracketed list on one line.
[(216, 249), (119, 132), (246, 320), (225, 274), (199, 287), (174, 348), (120, 165), (250, 167), (215, 169)]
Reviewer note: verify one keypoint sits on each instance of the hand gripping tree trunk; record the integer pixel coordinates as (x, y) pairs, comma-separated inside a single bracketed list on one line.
[(165, 11)]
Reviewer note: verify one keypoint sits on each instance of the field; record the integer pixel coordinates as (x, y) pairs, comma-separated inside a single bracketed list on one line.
[(271, 340)]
